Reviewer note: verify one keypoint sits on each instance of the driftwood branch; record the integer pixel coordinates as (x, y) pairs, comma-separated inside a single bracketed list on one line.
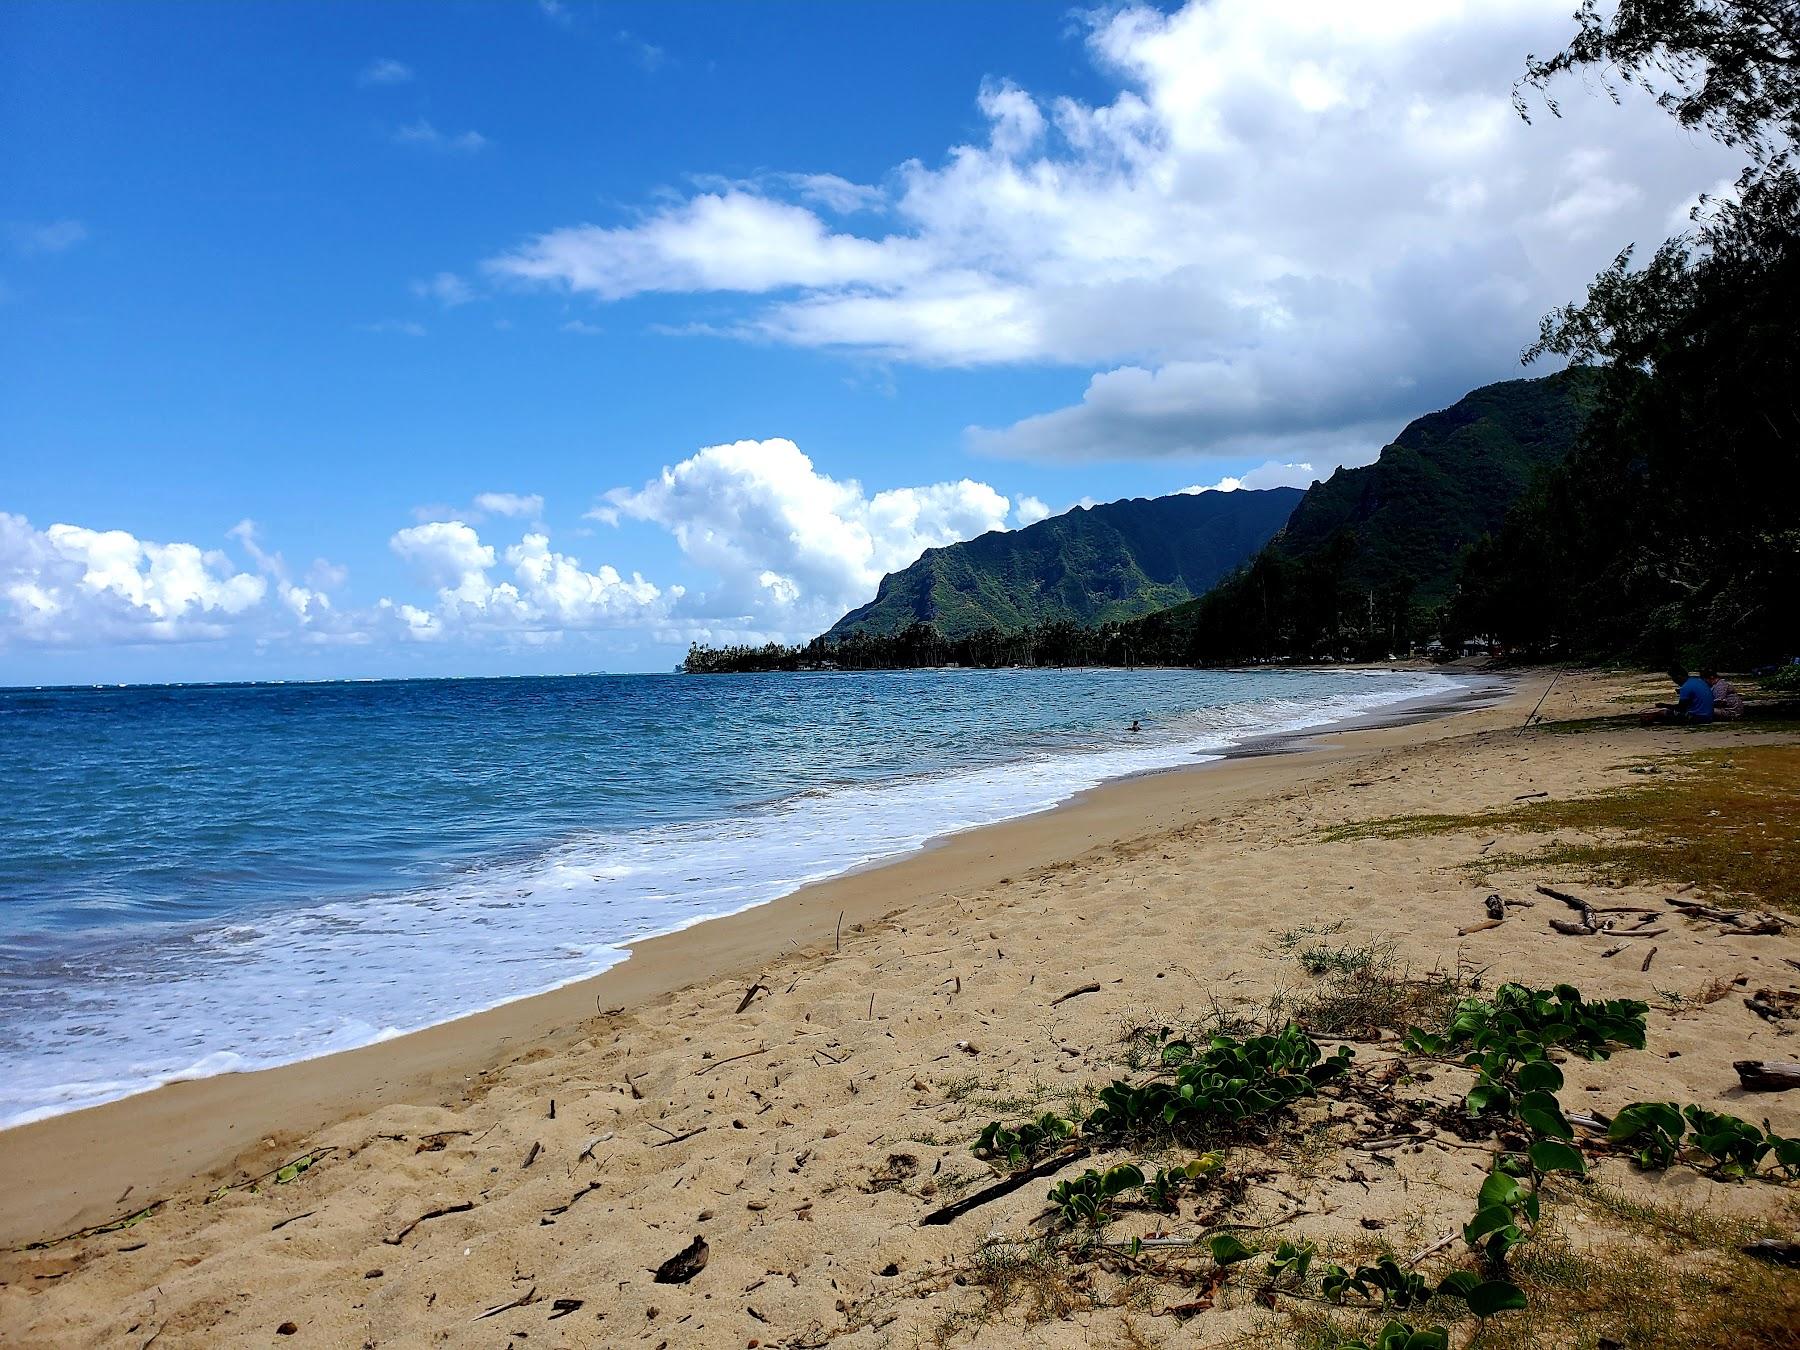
[(1572, 901), (1588, 925), (1075, 993), (1780, 1252), (1735, 922), (1767, 1075)]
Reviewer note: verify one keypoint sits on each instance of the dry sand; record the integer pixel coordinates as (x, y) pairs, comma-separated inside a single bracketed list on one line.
[(580, 1138)]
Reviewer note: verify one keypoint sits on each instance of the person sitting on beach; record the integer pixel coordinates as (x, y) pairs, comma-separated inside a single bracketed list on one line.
[(1728, 704), (1694, 700)]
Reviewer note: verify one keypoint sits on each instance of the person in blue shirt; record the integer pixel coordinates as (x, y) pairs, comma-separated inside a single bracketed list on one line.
[(1694, 700)]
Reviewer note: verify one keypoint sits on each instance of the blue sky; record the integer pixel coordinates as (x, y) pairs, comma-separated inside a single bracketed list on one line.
[(347, 340)]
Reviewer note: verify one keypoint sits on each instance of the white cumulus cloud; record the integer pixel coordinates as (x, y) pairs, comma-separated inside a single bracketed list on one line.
[(793, 548), (66, 584), (545, 594), (731, 240), (1290, 229), (780, 550)]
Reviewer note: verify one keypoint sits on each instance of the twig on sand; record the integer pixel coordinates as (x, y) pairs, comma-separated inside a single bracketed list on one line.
[(1649, 956), (719, 1063), (837, 941), (439, 1213), (1437, 1246), (1004, 1187), (532, 1154), (1075, 993), (750, 994), (530, 1296), (1540, 703), (292, 1218), (588, 1152), (675, 1138), (588, 1189), (1481, 927), (1168, 1242)]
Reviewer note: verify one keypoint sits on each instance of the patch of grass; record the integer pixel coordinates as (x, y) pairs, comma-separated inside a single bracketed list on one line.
[(1728, 820), (954, 1182), (1316, 1326), (1028, 1280), (957, 1089), (1140, 1036), (1362, 989), (988, 1095), (1707, 994), (1680, 1225), (1640, 1294), (1308, 935)]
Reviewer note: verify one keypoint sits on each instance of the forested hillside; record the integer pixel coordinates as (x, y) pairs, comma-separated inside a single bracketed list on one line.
[(1370, 555), (1090, 565)]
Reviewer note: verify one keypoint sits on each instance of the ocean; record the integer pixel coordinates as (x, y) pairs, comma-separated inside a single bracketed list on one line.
[(199, 879)]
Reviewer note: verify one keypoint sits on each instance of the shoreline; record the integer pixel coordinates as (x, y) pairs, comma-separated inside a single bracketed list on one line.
[(252, 999), (96, 1164)]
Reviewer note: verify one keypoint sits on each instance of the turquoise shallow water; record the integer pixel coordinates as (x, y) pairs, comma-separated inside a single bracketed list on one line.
[(200, 878)]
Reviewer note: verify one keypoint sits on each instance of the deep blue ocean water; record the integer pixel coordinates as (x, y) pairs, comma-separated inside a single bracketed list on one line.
[(196, 879)]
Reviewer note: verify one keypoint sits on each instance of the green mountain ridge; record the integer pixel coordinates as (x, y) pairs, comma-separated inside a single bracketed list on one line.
[(1371, 554), (1090, 565)]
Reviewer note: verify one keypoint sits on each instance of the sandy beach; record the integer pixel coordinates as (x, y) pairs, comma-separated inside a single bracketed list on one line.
[(801, 1083)]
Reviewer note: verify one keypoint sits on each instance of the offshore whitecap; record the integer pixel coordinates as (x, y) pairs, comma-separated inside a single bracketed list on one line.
[(202, 879)]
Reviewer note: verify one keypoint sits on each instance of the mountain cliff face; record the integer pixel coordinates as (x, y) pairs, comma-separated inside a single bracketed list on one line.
[(1371, 553), (1090, 565)]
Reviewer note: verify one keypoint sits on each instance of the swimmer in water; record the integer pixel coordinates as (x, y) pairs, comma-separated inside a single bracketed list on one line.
[(1134, 726)]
